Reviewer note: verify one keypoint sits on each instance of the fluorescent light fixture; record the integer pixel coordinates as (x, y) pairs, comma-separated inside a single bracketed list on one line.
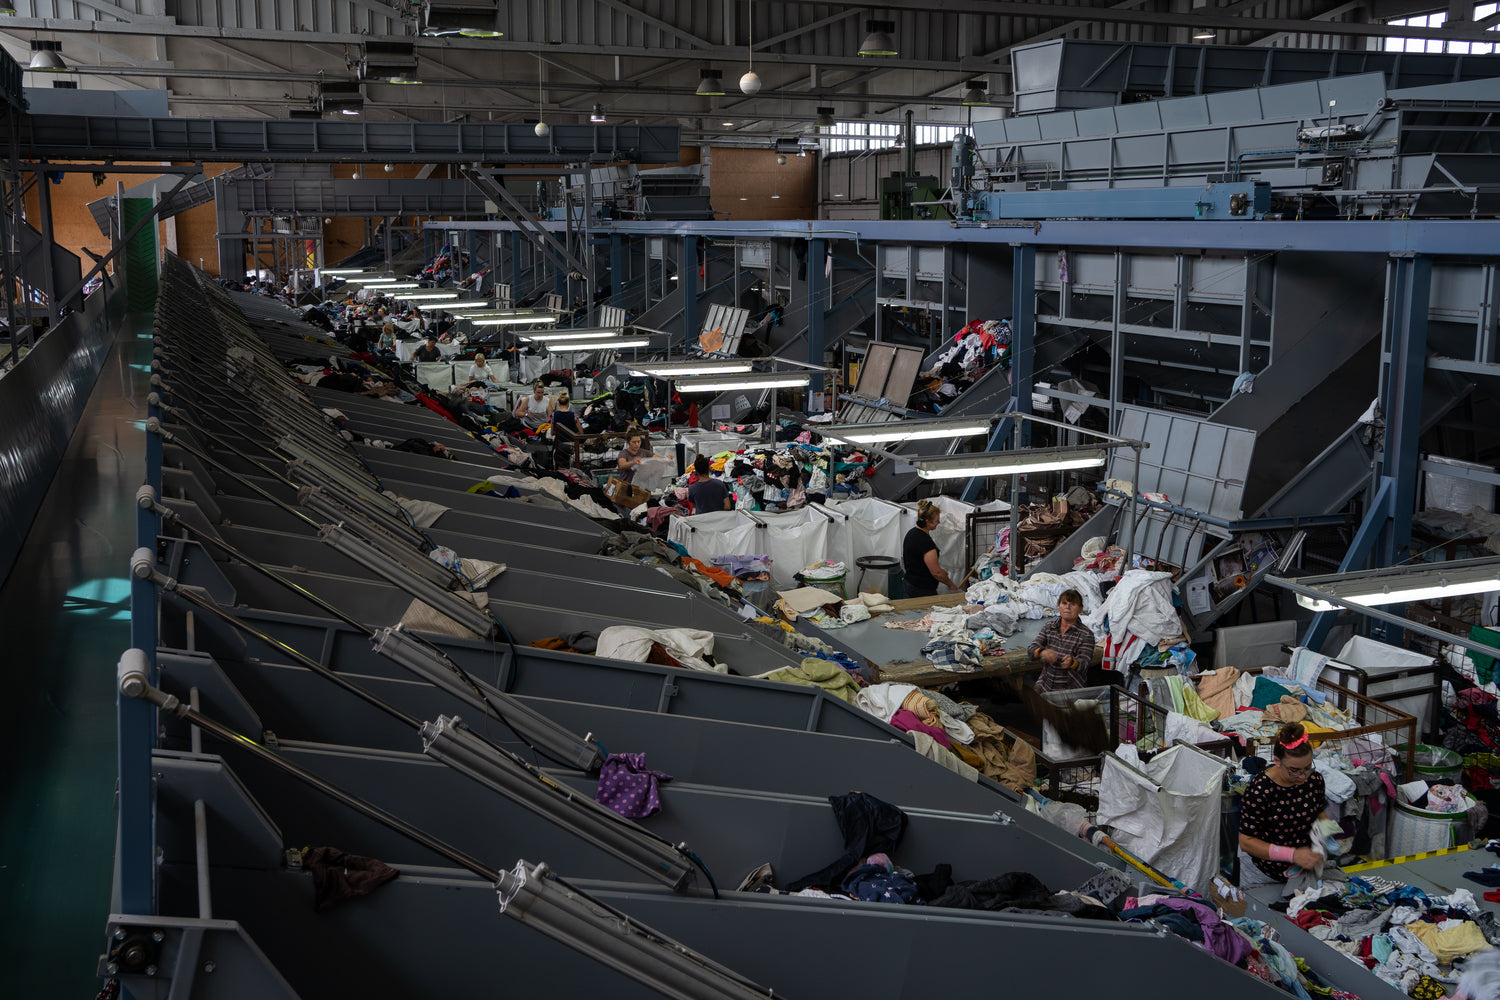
[(386, 286), (1203, 35), (1006, 463), (343, 270), (682, 369), (904, 430), (598, 334), (464, 306), (382, 281), (578, 347), (724, 383), (427, 296), (1422, 582), (512, 320)]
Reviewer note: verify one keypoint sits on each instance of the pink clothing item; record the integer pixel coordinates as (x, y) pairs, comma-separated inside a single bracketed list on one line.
[(908, 722)]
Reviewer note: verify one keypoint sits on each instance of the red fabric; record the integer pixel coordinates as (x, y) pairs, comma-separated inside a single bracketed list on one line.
[(907, 721), (434, 406)]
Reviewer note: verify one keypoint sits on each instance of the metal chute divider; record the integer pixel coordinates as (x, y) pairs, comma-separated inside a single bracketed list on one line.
[(450, 741), (468, 615), (421, 659), (396, 541)]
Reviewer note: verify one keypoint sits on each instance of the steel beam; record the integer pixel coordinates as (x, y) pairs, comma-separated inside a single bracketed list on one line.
[(239, 140)]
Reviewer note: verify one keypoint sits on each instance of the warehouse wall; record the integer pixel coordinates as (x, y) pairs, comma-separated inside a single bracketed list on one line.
[(743, 182)]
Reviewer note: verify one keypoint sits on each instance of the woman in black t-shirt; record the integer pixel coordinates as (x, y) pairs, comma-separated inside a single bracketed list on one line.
[(919, 555), (1277, 812)]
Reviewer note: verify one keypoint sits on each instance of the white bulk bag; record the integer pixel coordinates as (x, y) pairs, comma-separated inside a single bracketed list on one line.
[(1166, 811)]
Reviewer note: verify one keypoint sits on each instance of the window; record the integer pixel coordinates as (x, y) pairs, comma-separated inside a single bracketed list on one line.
[(1481, 11), (860, 136)]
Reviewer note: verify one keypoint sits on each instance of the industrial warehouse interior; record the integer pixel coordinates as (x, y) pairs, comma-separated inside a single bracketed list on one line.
[(733, 498)]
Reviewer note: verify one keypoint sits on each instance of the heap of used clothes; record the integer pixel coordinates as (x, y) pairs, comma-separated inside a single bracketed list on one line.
[(980, 346), (1411, 940), (868, 871), (781, 478), (955, 734)]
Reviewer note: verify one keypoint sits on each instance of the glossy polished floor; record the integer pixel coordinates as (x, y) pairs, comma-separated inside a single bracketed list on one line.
[(65, 610)]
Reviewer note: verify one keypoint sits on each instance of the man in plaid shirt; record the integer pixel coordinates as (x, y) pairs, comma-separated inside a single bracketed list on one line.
[(1065, 647)]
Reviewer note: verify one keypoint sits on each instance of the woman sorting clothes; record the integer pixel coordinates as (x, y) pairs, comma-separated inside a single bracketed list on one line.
[(1065, 646), (636, 451), (1277, 812), (480, 374), (536, 409), (919, 555)]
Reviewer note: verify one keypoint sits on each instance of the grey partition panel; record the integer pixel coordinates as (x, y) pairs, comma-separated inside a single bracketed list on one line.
[(1197, 464), (427, 935)]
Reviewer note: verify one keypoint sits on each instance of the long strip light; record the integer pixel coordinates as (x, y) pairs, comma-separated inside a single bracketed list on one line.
[(1422, 582), (377, 279), (342, 271), (511, 320), (725, 383), (464, 306), (427, 296), (384, 287), (575, 335), (904, 430), (1008, 463), (676, 369), (581, 346)]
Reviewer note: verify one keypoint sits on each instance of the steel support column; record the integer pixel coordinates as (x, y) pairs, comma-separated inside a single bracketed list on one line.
[(1409, 286), (44, 203), (817, 308), (617, 257), (1022, 331), (687, 280), (1370, 530)]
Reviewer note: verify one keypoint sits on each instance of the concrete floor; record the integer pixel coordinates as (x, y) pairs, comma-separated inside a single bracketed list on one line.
[(65, 611)]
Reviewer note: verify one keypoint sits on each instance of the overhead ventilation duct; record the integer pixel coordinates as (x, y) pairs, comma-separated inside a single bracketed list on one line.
[(340, 97), (466, 18), (388, 61)]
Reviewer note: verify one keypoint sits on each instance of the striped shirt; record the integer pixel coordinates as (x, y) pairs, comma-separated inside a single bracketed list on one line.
[(1077, 642)]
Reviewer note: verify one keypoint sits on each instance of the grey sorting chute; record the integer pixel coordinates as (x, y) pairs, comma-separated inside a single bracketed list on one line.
[(451, 742), (528, 893)]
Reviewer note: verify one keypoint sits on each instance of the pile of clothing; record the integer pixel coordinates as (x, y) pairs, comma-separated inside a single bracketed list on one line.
[(955, 734), (976, 349), (1406, 937)]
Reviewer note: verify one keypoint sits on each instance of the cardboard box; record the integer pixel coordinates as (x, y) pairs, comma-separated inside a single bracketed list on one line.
[(625, 494)]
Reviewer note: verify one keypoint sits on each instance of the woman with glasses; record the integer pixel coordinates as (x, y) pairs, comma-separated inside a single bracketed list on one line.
[(1277, 812)]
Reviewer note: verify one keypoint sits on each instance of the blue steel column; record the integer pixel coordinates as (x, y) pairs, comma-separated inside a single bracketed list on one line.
[(616, 270), (817, 307), (687, 280), (1022, 332), (1410, 279), (515, 267), (136, 720)]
